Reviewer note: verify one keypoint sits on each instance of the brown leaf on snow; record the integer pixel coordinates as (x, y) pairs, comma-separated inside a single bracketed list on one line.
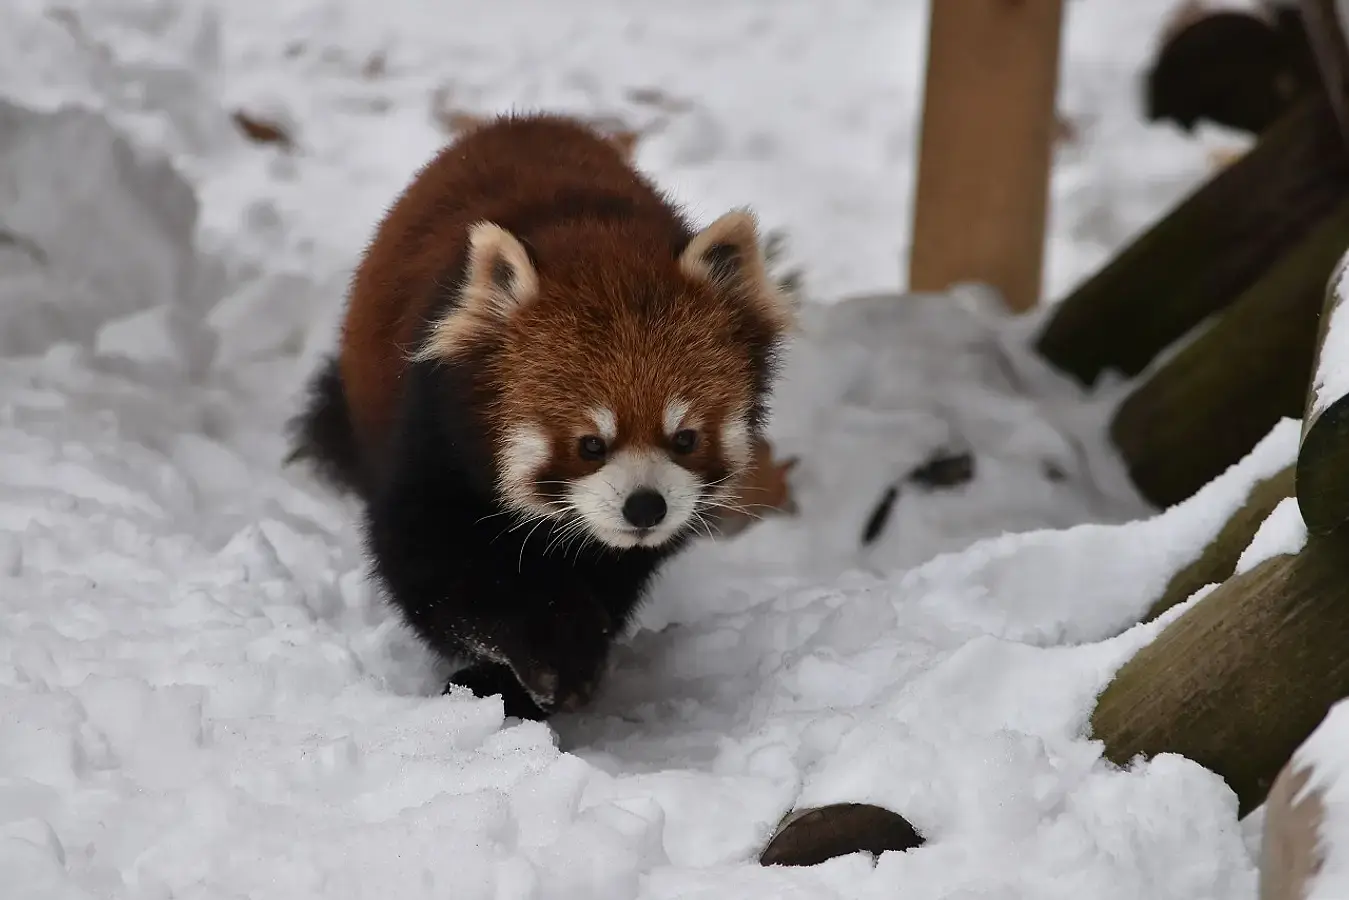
[(262, 131)]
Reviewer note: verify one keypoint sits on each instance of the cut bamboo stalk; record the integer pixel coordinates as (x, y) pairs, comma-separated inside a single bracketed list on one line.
[(1242, 678), (1205, 253), (1205, 408), (808, 837)]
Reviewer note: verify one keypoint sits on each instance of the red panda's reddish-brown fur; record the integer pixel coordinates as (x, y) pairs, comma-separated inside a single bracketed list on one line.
[(527, 294), (488, 174)]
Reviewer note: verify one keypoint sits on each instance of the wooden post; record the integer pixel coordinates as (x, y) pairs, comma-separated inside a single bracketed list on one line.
[(987, 137)]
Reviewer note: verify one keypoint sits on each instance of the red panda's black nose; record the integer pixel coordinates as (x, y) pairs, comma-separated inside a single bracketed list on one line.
[(644, 508)]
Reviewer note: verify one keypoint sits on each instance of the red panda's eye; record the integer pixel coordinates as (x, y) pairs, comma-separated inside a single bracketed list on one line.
[(684, 441), (592, 448)]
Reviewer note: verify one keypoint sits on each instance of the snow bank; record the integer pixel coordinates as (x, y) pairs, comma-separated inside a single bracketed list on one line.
[(192, 716), (202, 698)]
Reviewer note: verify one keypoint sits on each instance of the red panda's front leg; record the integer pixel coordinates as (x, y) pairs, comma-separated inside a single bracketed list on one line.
[(556, 667), (464, 590), (555, 644)]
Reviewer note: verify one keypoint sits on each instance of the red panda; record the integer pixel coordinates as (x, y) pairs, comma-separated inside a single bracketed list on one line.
[(546, 382)]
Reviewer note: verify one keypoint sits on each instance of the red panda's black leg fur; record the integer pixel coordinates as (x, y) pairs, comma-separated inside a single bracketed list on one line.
[(323, 435), (471, 582)]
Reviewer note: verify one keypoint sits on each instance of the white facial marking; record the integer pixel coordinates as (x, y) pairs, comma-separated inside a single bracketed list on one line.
[(675, 411), (606, 423), (599, 497), (525, 451), (735, 443)]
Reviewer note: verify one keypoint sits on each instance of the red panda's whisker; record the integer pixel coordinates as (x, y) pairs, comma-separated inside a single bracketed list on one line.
[(700, 520), (520, 563), (559, 536)]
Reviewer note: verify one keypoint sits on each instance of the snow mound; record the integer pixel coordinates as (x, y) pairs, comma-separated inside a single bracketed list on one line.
[(91, 231), (892, 381)]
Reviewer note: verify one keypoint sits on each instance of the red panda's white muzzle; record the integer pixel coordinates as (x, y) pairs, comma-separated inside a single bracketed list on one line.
[(639, 497)]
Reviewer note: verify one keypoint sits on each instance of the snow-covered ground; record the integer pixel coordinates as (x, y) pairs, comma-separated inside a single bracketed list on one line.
[(200, 695)]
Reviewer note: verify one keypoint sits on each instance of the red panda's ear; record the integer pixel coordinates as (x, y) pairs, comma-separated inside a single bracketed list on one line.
[(498, 282), (727, 254)]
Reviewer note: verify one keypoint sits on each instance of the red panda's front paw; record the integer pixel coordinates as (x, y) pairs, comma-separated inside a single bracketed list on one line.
[(485, 679), (566, 657)]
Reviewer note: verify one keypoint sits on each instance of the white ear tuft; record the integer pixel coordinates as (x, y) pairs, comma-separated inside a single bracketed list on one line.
[(499, 281), (727, 254)]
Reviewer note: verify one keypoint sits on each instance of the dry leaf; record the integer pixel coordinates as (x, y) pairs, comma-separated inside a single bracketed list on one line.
[(262, 131)]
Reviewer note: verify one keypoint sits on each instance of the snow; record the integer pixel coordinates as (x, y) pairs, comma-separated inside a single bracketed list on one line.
[(202, 697), (107, 243), (1282, 533)]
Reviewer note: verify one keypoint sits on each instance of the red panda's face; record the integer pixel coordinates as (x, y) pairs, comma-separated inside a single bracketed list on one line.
[(625, 395), (634, 437)]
